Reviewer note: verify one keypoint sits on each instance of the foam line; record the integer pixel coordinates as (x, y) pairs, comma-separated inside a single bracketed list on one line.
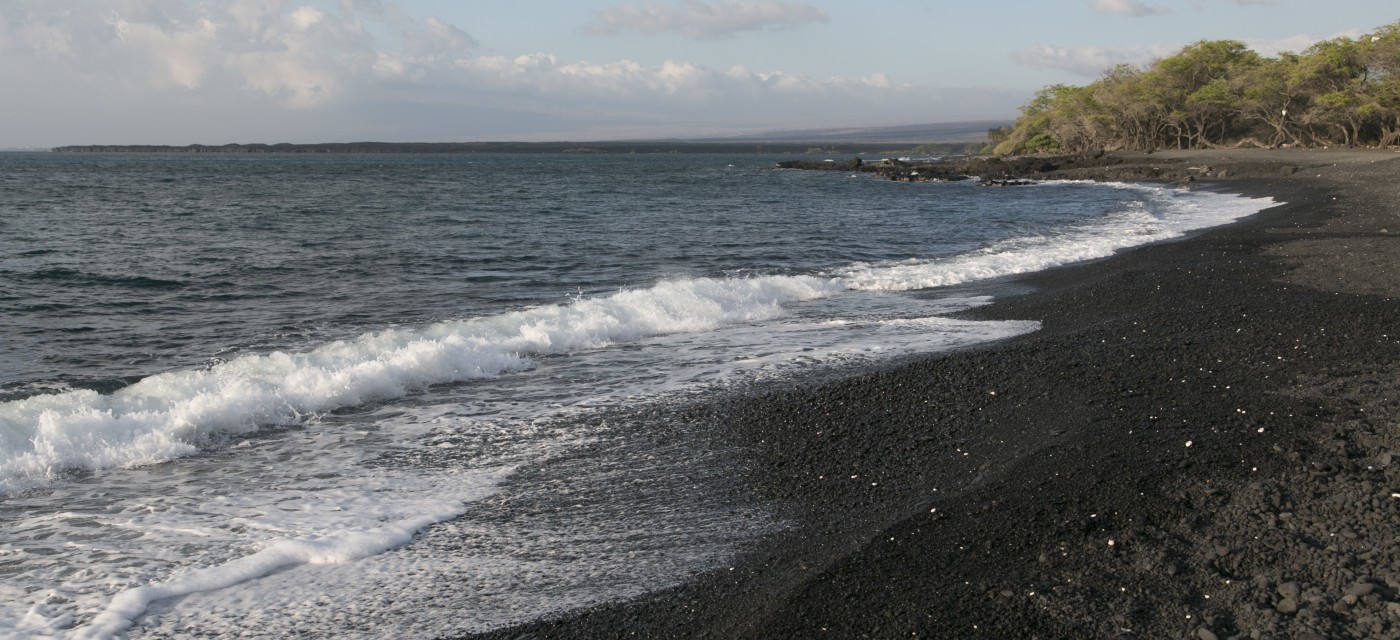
[(129, 605), (171, 414), (1184, 211)]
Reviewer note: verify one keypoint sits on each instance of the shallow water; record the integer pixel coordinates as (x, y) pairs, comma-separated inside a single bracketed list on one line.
[(269, 392)]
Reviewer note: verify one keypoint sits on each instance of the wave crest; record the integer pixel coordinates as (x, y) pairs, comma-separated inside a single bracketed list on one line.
[(171, 414)]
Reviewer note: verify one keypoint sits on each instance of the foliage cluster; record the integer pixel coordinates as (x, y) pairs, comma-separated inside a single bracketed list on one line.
[(1214, 93)]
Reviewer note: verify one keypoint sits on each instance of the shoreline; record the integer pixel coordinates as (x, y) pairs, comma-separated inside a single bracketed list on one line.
[(604, 147), (1043, 487)]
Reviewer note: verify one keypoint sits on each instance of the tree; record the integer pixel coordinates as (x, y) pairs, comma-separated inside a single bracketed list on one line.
[(1218, 92), (1330, 73), (1271, 91), (1184, 77), (1382, 85), (1034, 120), (1212, 106), (1132, 99)]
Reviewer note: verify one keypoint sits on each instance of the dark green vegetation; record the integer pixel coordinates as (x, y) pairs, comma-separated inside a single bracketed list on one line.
[(1215, 93)]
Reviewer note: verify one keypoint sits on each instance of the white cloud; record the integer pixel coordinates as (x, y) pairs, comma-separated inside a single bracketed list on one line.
[(1131, 8), (303, 18), (1294, 44), (295, 80), (706, 20), (878, 80), (46, 40), (439, 36), (181, 71), (182, 55), (675, 81), (1090, 61), (298, 55), (1093, 61), (250, 15), (626, 98)]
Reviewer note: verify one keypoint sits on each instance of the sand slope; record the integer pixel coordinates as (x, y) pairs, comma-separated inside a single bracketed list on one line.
[(1202, 442)]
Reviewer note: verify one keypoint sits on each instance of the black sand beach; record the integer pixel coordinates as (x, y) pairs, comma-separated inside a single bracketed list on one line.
[(1203, 441)]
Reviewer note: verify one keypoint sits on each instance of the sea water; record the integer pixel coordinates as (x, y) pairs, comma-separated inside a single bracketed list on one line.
[(363, 395)]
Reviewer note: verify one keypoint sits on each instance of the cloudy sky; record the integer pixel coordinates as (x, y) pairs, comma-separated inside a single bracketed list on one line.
[(219, 71)]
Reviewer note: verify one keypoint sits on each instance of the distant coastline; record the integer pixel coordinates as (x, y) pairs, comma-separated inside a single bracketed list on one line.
[(655, 146), (937, 138)]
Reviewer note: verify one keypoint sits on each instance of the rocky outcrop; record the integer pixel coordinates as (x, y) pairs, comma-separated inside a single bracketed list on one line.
[(1007, 171)]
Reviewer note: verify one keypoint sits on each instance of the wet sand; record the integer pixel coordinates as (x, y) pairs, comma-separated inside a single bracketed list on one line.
[(1203, 441)]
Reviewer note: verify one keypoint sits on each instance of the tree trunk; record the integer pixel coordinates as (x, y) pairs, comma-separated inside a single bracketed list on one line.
[(1390, 135), (1280, 134)]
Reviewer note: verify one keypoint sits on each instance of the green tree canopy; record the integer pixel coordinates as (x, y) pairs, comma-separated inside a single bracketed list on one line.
[(1212, 93)]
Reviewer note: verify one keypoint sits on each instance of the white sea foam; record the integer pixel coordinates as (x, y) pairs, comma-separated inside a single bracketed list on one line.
[(171, 414), (310, 500), (339, 548), (1163, 215), (194, 537)]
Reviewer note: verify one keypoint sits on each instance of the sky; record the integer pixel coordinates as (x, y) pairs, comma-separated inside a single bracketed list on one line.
[(303, 71)]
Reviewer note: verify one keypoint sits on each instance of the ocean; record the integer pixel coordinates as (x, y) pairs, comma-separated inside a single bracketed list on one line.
[(371, 395)]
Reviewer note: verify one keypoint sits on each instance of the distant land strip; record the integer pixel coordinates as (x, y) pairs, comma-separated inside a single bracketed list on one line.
[(654, 146)]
